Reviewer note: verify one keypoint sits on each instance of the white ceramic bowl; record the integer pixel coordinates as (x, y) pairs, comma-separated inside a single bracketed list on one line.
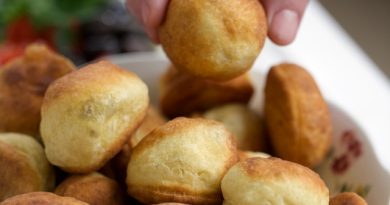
[(351, 164)]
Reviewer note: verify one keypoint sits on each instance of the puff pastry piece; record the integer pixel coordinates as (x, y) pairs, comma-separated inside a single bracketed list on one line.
[(243, 155), (297, 115), (23, 83), (217, 40), (347, 198), (93, 188), (182, 161), (272, 181), (23, 166), (88, 115), (153, 119), (245, 124), (41, 198), (182, 94)]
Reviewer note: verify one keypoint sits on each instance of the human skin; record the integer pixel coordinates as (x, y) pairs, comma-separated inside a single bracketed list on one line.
[(284, 17)]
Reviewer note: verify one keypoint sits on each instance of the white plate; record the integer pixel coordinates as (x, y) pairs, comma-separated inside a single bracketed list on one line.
[(350, 166)]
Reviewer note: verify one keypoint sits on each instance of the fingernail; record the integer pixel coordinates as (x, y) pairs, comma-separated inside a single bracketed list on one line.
[(284, 26)]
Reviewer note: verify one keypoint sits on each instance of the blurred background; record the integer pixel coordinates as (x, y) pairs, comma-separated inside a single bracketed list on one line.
[(368, 23), (84, 30)]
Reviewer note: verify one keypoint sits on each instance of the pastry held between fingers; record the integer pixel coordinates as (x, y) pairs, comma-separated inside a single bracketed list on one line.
[(217, 40)]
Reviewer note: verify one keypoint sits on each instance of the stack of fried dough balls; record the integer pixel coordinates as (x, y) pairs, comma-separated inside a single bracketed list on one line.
[(112, 146), (88, 115), (23, 83), (182, 94), (217, 39)]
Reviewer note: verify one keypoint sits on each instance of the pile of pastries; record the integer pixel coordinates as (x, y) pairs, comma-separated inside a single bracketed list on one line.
[(90, 136)]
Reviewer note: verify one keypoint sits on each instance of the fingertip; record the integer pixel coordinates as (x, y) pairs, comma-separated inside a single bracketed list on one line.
[(153, 35), (284, 27), (156, 10), (150, 14)]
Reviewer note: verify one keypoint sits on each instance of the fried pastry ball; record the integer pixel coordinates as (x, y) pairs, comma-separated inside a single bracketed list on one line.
[(152, 120), (297, 115), (88, 115), (41, 198), (93, 188), (347, 198), (183, 161), (23, 83), (273, 181), (217, 39), (182, 94), (245, 124), (116, 168), (23, 166), (171, 204), (243, 155)]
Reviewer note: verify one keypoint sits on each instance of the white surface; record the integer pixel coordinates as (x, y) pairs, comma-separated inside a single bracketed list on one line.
[(346, 76)]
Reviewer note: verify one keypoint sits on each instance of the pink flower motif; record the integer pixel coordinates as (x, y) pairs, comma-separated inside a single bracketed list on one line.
[(355, 148), (340, 164), (353, 151), (352, 143)]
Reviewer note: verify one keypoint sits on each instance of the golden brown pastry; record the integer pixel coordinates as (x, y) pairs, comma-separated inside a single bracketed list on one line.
[(183, 161), (218, 39), (116, 168), (153, 119), (118, 165), (297, 115), (93, 188), (272, 181), (171, 203), (182, 94), (41, 198), (245, 124), (23, 166), (88, 115), (347, 198), (243, 155), (23, 83)]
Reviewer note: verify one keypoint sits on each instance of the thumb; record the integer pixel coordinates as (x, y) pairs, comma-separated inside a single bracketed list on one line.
[(284, 17), (150, 14)]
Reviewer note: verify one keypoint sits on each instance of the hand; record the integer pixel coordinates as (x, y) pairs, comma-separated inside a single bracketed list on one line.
[(284, 17)]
